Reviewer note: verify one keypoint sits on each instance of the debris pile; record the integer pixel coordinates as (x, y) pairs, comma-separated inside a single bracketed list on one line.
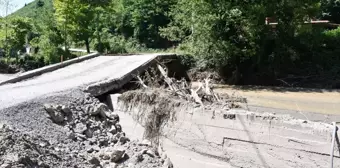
[(92, 137), (157, 107), (203, 95)]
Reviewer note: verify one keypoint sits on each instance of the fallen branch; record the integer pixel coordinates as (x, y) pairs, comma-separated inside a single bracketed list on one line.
[(142, 82)]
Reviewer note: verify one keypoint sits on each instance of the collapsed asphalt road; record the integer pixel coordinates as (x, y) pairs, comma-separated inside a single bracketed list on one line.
[(49, 121), (78, 75)]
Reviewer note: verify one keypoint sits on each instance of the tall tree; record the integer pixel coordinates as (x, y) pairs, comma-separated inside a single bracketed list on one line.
[(227, 35), (146, 18), (331, 10), (75, 17), (6, 6)]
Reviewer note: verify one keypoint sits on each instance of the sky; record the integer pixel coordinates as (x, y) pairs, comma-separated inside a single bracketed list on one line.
[(17, 4)]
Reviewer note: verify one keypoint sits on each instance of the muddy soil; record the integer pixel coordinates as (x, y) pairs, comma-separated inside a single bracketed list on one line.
[(308, 104), (236, 137)]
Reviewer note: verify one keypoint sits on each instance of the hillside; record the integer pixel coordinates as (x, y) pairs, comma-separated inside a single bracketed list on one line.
[(34, 9)]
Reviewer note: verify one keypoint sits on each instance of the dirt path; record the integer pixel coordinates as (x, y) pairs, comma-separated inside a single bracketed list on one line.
[(311, 104)]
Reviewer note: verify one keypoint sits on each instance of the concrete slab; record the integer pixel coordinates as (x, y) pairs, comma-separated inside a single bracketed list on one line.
[(75, 76)]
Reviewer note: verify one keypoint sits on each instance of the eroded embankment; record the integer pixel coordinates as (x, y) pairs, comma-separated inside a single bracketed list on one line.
[(239, 137)]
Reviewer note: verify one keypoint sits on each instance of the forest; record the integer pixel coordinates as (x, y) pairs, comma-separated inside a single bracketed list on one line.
[(230, 38)]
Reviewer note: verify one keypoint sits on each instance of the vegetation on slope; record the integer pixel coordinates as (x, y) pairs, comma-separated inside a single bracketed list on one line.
[(34, 9), (230, 38)]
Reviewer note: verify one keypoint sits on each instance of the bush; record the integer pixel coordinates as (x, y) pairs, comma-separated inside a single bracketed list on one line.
[(120, 45), (116, 45), (31, 62)]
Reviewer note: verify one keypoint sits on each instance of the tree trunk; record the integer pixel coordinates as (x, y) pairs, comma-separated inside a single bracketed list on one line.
[(87, 43)]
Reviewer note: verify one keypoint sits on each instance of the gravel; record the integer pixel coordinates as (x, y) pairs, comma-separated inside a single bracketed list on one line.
[(69, 129)]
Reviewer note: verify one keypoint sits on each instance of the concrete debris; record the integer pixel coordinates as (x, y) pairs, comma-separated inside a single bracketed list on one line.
[(123, 140), (83, 133), (117, 155), (94, 161), (55, 113)]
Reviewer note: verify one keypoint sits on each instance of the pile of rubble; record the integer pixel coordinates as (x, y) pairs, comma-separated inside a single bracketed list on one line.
[(202, 95), (94, 139)]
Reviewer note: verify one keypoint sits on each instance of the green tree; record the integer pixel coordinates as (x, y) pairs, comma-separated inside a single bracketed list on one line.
[(142, 19), (331, 10), (75, 18), (15, 36), (231, 36), (48, 39)]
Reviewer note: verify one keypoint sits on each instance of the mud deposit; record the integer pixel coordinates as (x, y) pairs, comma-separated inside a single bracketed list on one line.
[(238, 137), (70, 129)]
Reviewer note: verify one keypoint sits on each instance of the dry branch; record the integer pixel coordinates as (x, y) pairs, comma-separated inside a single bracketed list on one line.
[(182, 89), (142, 82)]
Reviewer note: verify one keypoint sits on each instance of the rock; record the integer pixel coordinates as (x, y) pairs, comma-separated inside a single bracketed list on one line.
[(88, 99), (71, 135), (167, 163), (59, 107), (145, 142), (114, 140), (56, 116), (110, 165), (80, 136), (117, 154), (143, 151), (78, 108), (150, 153), (113, 130), (49, 108), (6, 165), (94, 161), (66, 110), (100, 109), (90, 110), (104, 155), (123, 140), (115, 117), (80, 128), (89, 133), (136, 158), (90, 150), (103, 141), (118, 127)]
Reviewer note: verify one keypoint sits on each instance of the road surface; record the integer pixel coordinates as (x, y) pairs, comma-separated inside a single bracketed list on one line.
[(74, 76)]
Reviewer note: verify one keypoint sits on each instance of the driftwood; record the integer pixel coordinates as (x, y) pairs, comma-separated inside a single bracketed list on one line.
[(182, 89), (141, 82)]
